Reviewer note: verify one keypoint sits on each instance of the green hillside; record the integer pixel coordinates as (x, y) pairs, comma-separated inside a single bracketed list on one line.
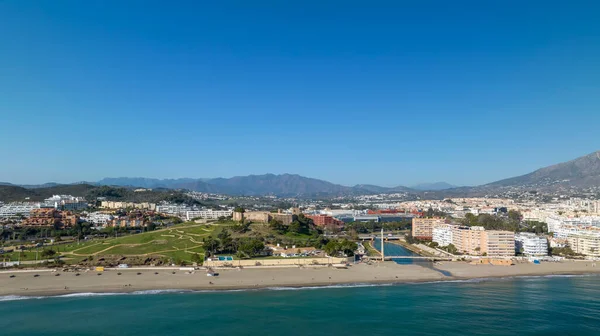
[(178, 242)]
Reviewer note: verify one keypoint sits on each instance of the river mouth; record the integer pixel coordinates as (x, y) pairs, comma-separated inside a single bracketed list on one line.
[(398, 250)]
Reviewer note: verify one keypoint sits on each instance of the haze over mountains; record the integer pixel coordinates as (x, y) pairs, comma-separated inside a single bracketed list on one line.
[(583, 172), (433, 186)]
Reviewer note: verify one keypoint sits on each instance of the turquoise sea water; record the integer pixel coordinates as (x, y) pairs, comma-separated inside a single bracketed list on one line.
[(558, 305)]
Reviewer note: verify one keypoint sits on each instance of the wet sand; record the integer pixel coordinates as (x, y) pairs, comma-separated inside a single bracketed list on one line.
[(47, 283)]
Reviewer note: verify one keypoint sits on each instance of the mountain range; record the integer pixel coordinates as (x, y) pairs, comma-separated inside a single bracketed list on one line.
[(254, 185), (583, 172)]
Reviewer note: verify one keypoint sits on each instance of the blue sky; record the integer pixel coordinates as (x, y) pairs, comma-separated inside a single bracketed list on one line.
[(389, 93)]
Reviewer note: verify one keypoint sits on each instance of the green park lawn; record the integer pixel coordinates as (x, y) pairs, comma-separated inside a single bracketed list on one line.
[(181, 241)]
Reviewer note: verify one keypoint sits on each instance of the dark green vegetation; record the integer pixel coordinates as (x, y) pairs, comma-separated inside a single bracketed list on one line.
[(563, 252), (511, 222), (300, 225), (337, 246), (369, 227), (248, 240), (10, 193)]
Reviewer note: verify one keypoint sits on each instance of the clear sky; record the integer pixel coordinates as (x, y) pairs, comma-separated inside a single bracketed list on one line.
[(380, 92)]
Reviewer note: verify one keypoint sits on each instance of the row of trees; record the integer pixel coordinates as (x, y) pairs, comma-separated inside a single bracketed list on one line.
[(512, 222), (368, 227), (340, 246), (243, 247)]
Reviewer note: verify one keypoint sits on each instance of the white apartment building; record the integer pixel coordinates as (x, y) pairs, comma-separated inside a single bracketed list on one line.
[(173, 209), (15, 209), (556, 223), (531, 244), (99, 219), (442, 234), (125, 205), (66, 202), (207, 214)]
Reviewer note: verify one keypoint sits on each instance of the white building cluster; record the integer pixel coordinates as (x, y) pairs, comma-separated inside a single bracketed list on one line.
[(581, 234), (99, 218), (14, 210), (66, 202)]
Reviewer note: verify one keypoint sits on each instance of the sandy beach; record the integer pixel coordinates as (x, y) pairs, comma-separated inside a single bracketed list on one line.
[(48, 283)]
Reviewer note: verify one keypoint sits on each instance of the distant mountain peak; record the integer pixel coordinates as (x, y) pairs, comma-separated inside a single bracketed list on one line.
[(582, 171), (433, 186)]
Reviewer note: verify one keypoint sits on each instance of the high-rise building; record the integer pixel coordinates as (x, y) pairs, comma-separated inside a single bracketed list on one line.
[(422, 228), (467, 239), (498, 243), (475, 240), (442, 234)]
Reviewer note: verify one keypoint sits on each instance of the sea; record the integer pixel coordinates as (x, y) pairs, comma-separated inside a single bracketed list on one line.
[(546, 305)]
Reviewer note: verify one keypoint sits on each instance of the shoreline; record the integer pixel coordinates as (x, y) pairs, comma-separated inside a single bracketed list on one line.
[(47, 284)]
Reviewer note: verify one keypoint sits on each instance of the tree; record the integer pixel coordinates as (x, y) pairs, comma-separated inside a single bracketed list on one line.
[(470, 219), (331, 248), (225, 240), (196, 259), (347, 247), (429, 212), (277, 226), (239, 209), (514, 215), (334, 247), (46, 253), (210, 244), (250, 247), (242, 227), (451, 249)]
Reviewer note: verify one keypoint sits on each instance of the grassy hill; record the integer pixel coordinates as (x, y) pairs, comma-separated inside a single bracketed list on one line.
[(177, 243)]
